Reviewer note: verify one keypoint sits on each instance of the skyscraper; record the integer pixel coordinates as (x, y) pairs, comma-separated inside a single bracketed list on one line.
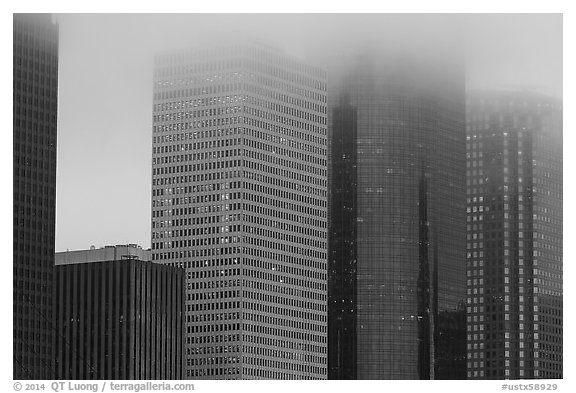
[(35, 99), (117, 318), (239, 200), (397, 221), (514, 230)]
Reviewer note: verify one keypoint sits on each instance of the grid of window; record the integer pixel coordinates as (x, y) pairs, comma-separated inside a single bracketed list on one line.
[(35, 110), (396, 277), (239, 200), (514, 281)]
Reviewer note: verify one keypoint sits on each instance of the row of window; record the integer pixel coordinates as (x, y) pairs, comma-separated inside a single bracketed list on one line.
[(284, 67), (297, 159), (208, 252), (213, 349), (275, 78), (220, 316), (211, 296), (214, 338), (279, 284)]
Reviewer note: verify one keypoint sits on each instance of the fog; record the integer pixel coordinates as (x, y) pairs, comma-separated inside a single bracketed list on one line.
[(105, 88)]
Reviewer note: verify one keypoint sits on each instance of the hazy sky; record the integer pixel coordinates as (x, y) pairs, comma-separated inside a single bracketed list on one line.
[(105, 91)]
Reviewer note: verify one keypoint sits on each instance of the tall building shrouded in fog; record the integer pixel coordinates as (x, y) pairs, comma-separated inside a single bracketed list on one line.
[(239, 200), (35, 98), (397, 221), (514, 230)]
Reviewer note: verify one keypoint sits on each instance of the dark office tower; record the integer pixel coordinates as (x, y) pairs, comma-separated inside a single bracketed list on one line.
[(239, 200), (35, 108), (514, 229), (342, 227), (117, 319), (397, 223)]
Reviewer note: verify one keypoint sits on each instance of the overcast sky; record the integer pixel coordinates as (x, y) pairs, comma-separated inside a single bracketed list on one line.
[(105, 91)]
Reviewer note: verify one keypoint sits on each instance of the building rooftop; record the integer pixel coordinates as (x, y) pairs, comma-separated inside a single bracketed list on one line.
[(106, 253)]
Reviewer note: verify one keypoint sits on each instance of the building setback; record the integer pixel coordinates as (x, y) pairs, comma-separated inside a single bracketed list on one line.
[(239, 200), (118, 319), (397, 221), (35, 99), (514, 230)]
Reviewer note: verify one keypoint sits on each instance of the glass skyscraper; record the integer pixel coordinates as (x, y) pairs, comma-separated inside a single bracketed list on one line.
[(239, 199), (35, 103), (397, 220), (514, 230)]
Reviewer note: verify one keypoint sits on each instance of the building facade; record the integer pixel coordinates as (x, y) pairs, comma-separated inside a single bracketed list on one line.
[(239, 200), (397, 221), (118, 319), (35, 100), (514, 230)]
